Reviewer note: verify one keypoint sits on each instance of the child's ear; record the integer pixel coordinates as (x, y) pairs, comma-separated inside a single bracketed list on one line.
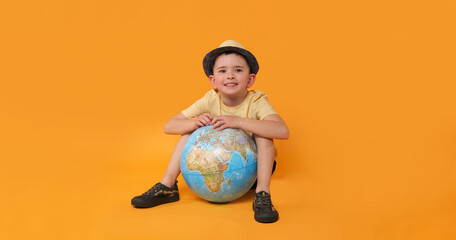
[(252, 78), (212, 80)]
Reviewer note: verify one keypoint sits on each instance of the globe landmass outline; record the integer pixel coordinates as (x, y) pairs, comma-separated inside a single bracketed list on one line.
[(219, 166)]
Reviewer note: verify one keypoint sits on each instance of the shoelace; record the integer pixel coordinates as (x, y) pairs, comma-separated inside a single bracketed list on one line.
[(264, 200), (157, 187)]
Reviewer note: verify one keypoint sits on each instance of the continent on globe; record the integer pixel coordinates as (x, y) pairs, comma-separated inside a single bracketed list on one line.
[(232, 141), (219, 166), (205, 161)]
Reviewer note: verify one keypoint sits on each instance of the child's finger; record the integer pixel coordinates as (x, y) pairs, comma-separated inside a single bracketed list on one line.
[(208, 119), (217, 124), (221, 127), (214, 120)]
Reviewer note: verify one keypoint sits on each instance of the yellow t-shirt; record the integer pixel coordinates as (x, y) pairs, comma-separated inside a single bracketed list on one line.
[(255, 106)]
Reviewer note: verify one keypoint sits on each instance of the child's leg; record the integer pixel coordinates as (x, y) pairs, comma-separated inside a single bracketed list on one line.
[(166, 191), (266, 156), (173, 169)]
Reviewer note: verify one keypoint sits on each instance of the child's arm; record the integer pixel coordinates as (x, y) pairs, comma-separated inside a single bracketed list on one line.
[(271, 126), (180, 124)]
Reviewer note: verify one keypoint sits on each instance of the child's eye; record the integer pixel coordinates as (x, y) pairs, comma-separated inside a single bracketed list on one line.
[(238, 70), (222, 71)]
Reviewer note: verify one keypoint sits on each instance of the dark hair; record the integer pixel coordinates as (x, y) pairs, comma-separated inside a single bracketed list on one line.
[(228, 53)]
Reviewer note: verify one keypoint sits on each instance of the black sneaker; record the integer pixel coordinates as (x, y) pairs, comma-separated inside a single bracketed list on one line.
[(264, 210), (157, 195)]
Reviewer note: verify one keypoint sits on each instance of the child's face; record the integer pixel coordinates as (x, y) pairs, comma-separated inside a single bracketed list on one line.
[(232, 75)]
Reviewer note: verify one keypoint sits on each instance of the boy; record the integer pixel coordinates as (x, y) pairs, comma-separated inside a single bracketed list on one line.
[(231, 70)]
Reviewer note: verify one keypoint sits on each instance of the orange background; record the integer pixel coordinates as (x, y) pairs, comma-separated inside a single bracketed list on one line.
[(367, 89)]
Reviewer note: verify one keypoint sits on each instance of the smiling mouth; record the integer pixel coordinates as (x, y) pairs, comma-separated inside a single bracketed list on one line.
[(230, 84)]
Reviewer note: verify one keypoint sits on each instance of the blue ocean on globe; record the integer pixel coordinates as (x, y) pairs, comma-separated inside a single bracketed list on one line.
[(219, 166)]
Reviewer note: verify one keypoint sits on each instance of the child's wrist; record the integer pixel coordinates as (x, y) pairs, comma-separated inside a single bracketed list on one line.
[(241, 123), (195, 123)]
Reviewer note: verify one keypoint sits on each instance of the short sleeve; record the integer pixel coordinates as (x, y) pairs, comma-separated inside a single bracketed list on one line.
[(196, 109), (262, 107)]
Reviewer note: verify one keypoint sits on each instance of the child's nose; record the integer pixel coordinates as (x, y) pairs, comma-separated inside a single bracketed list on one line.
[(230, 75)]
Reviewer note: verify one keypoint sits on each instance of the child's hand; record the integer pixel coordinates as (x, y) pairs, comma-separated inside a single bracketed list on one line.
[(225, 121), (203, 119)]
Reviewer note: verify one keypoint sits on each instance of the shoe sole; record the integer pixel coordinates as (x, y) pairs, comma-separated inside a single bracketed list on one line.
[(266, 220), (156, 203)]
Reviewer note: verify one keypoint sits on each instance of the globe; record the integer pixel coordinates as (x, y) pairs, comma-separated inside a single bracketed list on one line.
[(219, 166)]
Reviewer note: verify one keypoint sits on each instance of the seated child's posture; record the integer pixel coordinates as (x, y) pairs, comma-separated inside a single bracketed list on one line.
[(231, 70)]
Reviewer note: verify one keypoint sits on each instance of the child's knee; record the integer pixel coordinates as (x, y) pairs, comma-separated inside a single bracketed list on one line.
[(265, 142), (265, 145)]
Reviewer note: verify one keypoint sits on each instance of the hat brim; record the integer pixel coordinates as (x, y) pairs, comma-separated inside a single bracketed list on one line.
[(209, 59)]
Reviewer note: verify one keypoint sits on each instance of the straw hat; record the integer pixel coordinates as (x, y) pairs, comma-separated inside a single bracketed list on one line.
[(229, 46)]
